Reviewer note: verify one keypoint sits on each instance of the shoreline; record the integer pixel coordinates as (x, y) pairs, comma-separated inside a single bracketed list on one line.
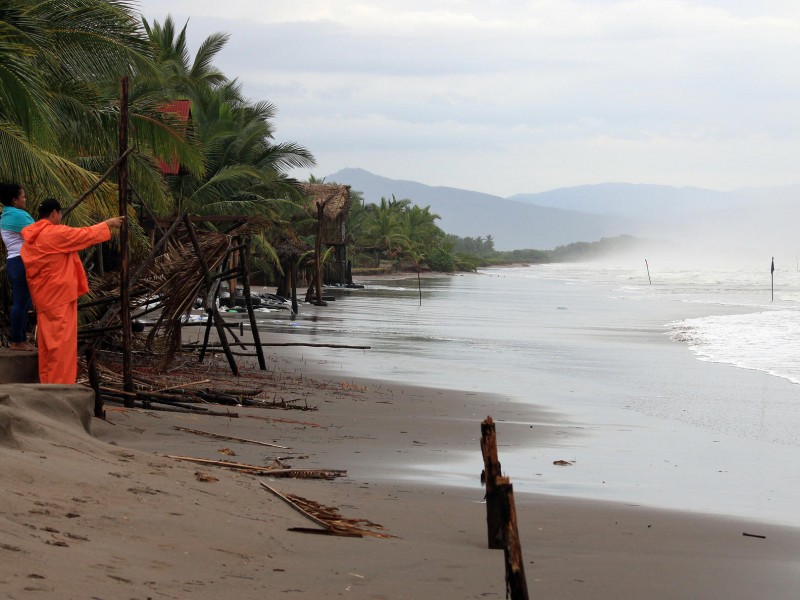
[(145, 525), (148, 526)]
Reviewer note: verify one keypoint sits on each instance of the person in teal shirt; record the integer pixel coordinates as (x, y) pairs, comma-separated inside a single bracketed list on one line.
[(13, 219)]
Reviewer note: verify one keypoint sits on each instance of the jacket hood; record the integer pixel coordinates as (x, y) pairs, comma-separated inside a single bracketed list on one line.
[(31, 232)]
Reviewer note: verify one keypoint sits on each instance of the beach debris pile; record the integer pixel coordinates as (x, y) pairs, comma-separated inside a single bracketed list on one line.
[(190, 386)]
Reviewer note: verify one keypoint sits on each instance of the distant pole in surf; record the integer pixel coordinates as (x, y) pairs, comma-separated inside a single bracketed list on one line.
[(648, 271), (772, 278)]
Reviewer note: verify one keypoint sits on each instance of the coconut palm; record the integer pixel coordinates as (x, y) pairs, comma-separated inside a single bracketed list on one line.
[(60, 66)]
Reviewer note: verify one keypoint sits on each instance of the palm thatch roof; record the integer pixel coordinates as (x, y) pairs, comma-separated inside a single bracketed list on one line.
[(335, 198)]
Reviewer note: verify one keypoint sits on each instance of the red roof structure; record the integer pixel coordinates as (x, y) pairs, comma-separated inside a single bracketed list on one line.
[(181, 110)]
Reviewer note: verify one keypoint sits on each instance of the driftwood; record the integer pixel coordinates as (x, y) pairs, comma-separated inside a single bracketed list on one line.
[(126, 398), (172, 388), (228, 437), (272, 472), (176, 409), (307, 423), (328, 518)]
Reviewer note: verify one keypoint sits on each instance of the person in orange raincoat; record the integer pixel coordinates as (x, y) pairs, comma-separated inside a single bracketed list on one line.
[(56, 280)]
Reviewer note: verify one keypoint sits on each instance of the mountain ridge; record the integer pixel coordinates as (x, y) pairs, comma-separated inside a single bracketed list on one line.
[(749, 219)]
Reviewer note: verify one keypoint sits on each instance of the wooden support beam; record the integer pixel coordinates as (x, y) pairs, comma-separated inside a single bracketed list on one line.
[(122, 188), (244, 265), (211, 296)]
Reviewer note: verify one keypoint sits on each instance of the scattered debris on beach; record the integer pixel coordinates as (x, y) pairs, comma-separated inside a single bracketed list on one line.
[(328, 518), (190, 386), (270, 471)]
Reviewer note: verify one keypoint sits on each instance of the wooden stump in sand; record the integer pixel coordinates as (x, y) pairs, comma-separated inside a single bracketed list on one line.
[(491, 471)]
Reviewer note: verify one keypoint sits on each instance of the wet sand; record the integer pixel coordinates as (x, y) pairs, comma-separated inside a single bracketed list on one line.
[(108, 515)]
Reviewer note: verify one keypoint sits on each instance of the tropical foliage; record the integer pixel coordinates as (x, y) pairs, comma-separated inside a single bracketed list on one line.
[(61, 63), (60, 70), (400, 233)]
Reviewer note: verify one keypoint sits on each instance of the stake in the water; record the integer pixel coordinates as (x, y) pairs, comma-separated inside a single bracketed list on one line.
[(648, 271), (772, 277)]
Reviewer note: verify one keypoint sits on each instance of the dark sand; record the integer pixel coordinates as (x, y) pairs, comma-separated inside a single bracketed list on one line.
[(109, 516)]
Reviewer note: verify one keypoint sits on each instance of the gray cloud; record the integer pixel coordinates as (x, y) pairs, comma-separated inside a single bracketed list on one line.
[(540, 94)]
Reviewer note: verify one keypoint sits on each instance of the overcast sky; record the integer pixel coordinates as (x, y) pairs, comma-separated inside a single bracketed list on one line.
[(508, 97)]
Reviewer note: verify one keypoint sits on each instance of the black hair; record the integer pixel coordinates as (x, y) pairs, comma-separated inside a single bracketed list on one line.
[(47, 207), (9, 192)]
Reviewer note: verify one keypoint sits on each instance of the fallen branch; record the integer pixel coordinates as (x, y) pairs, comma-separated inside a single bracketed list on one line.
[(228, 437), (256, 470), (328, 518), (285, 421), (182, 385)]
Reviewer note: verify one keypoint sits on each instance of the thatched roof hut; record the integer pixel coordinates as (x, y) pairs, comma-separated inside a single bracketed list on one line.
[(335, 200)]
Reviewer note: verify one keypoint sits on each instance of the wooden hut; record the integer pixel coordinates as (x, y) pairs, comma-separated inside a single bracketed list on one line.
[(329, 203)]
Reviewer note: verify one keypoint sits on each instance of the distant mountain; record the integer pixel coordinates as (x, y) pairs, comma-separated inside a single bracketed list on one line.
[(699, 224), (637, 201), (512, 224)]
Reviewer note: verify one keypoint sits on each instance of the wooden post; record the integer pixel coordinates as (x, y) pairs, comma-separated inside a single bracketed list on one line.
[(318, 254), (125, 301), (211, 288), (244, 266), (94, 381), (491, 471), (293, 268), (516, 585)]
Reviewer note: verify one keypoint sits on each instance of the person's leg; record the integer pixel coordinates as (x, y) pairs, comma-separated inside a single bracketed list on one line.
[(58, 344), (21, 303)]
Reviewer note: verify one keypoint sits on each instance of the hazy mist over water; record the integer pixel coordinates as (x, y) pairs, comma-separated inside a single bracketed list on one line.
[(675, 393)]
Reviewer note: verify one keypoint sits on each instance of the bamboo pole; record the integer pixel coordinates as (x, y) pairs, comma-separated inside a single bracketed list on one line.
[(491, 472), (96, 184)]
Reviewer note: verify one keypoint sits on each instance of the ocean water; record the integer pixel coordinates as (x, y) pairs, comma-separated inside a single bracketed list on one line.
[(681, 390)]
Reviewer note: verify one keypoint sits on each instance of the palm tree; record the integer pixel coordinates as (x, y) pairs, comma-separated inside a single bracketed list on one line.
[(60, 65), (245, 171), (181, 75)]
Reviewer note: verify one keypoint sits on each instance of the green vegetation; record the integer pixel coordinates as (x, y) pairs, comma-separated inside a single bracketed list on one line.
[(60, 70)]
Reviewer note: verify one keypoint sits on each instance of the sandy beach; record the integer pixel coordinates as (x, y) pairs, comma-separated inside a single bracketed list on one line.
[(97, 509)]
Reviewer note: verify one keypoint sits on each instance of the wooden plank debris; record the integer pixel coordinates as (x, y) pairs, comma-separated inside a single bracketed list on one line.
[(328, 518), (229, 438), (270, 471)]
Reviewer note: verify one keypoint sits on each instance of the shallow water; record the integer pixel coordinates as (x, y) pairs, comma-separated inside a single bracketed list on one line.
[(680, 393)]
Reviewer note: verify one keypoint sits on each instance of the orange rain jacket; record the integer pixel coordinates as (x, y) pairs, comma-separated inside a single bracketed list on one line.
[(56, 279), (52, 265)]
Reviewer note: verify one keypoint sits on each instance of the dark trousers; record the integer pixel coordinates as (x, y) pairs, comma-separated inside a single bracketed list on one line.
[(22, 298)]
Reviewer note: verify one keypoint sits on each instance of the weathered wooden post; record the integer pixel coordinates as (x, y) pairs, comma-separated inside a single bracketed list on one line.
[(122, 187), (244, 269), (318, 254), (516, 585), (491, 471)]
